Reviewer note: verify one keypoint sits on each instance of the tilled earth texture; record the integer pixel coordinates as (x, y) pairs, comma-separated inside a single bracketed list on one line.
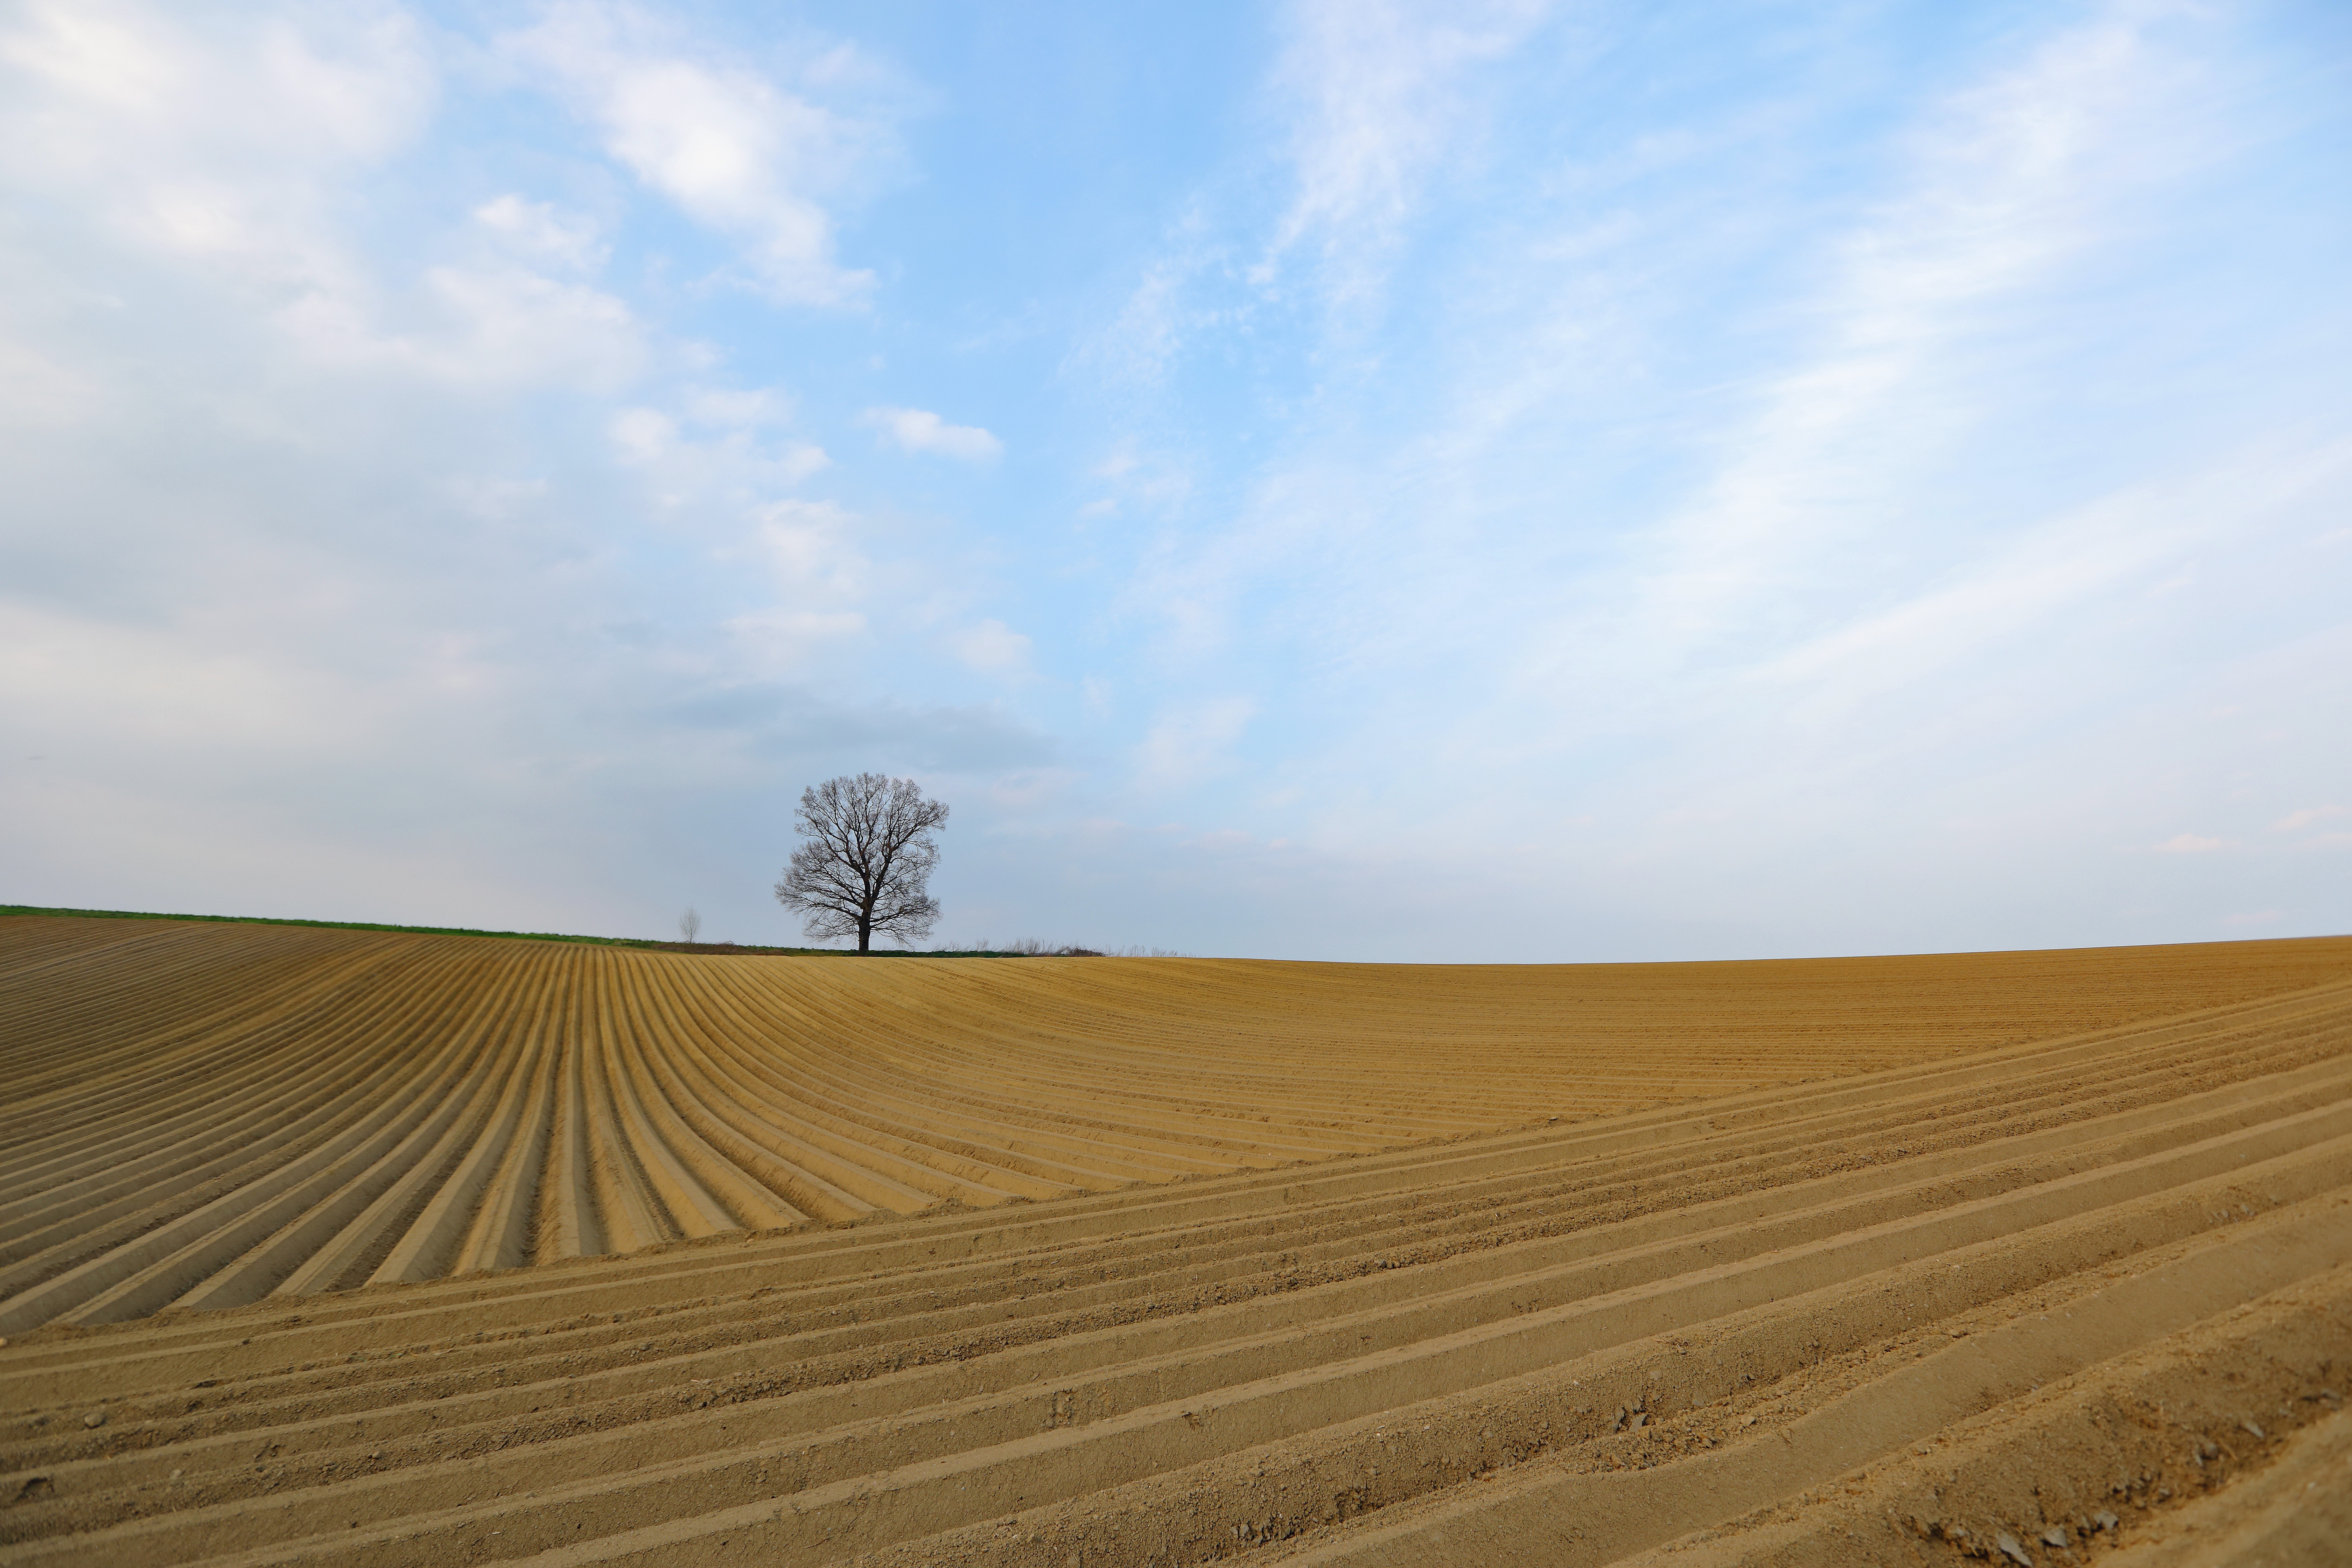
[(352, 1247)]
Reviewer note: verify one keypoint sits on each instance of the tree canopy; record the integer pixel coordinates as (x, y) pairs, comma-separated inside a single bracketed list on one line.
[(864, 868)]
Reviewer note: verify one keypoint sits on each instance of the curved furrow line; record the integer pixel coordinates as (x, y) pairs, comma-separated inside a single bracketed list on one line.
[(680, 1201), (801, 1128), (405, 1180), (479, 1217), (729, 1193), (259, 1087), (238, 1247), (837, 1080), (168, 1205), (867, 1172), (239, 1051), (1014, 1088), (1083, 1387), (138, 1002), (260, 1109), (1711, 1126), (628, 1211), (182, 1238), (565, 1223), (182, 1038), (763, 1047), (870, 1072), (1002, 1058), (27, 946), (181, 1110), (1360, 1068), (680, 1075)]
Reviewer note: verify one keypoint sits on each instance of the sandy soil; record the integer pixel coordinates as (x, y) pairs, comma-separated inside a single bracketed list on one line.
[(2017, 1258)]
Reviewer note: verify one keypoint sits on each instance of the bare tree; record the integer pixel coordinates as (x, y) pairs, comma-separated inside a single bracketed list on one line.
[(868, 855), (690, 925)]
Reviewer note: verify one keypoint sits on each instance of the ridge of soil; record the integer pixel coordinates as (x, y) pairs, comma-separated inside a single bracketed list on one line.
[(1903, 1261)]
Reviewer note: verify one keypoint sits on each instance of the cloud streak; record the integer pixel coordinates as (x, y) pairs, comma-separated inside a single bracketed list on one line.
[(734, 150), (919, 430)]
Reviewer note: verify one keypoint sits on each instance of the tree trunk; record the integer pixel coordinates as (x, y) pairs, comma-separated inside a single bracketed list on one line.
[(864, 931)]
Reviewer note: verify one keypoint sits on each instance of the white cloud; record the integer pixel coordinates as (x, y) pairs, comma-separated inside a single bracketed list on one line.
[(1190, 742), (820, 577), (994, 647), (2188, 843), (1149, 332), (2007, 184), (78, 675), (2295, 821), (783, 642), (37, 391), (541, 230), (735, 460), (643, 434), (808, 544), (213, 138), (736, 150), (486, 329), (1379, 102), (225, 146), (919, 430), (741, 410)]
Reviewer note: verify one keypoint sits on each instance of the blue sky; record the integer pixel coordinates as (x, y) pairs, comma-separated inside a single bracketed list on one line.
[(1346, 481)]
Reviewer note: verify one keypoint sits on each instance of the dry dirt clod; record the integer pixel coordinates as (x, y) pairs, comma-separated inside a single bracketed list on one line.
[(96, 1418), (2055, 1536), (2011, 1550)]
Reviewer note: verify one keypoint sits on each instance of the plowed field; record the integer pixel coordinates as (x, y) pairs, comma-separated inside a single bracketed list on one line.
[(2014, 1257)]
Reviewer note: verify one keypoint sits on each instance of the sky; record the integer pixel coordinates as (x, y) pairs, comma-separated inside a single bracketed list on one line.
[(1346, 479)]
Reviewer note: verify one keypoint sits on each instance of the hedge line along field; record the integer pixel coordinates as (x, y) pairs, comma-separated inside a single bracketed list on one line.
[(2021, 1257)]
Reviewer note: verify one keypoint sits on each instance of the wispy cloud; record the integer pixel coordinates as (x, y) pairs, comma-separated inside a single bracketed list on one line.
[(1370, 102), (1191, 741), (171, 132), (2188, 843), (1379, 98), (919, 430), (734, 149), (545, 232), (993, 647), (2010, 177)]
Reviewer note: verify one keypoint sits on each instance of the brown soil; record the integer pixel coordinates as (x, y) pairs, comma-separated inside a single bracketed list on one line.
[(1901, 1260)]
